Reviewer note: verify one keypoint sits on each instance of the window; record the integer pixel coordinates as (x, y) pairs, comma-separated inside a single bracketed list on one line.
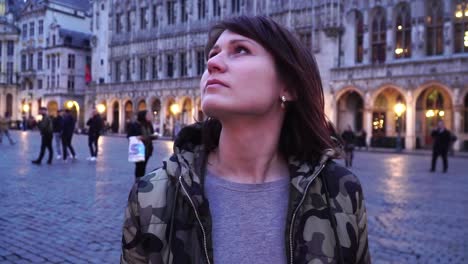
[(154, 68), (183, 64), (154, 17), (48, 82), (117, 71), (9, 72), (58, 81), (71, 61), (142, 69), (216, 8), (128, 71), (31, 60), (129, 21), (143, 15), (434, 27), (200, 62), (53, 40), (402, 30), (378, 36), (235, 6), (118, 23), (58, 60), (31, 29), (39, 84), (53, 63), (201, 9), (183, 11), (170, 5), (40, 29), (39, 61), (460, 26), (71, 83), (359, 37), (10, 48), (306, 38), (48, 62), (170, 65), (52, 81), (24, 32)]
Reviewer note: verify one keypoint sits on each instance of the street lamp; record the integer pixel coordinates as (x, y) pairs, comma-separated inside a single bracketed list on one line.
[(26, 108), (399, 109), (101, 108)]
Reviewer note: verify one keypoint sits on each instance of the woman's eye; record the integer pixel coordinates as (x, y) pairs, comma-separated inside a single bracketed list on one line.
[(241, 50), (211, 54)]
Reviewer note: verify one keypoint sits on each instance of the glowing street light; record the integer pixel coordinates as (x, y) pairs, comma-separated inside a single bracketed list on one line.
[(430, 113), (441, 113), (175, 108), (26, 108), (101, 108)]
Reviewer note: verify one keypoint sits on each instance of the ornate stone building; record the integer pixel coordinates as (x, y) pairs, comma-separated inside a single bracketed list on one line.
[(9, 44), (372, 55), (54, 51)]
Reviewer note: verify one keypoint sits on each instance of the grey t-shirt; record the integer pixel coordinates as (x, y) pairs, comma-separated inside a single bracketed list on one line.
[(249, 220)]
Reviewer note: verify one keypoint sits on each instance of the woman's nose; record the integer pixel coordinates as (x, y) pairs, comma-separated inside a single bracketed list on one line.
[(216, 63)]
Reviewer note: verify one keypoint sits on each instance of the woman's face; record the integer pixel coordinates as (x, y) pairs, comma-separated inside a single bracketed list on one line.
[(240, 79)]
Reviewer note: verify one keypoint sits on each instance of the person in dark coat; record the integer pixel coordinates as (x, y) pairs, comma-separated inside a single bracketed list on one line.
[(95, 124), (46, 128), (144, 130), (441, 138), (58, 130), (349, 141), (67, 134)]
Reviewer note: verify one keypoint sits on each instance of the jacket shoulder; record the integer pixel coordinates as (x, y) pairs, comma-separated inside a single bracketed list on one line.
[(343, 185)]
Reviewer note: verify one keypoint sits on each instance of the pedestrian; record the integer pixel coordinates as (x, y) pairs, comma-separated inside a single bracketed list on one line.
[(143, 129), (256, 181), (67, 135), (5, 128), (58, 130), (361, 138), (442, 138), (349, 142), (95, 124), (46, 129)]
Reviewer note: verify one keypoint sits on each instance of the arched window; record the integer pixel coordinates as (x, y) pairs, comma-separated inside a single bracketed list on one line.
[(378, 35), (434, 27), (359, 37), (402, 29), (460, 26)]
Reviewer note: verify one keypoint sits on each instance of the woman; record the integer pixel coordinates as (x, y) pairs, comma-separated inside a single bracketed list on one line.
[(254, 183), (144, 130)]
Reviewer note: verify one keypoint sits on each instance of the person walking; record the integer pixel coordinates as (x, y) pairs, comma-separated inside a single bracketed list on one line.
[(143, 129), (46, 129), (67, 135), (441, 142), (5, 128), (256, 181), (58, 130), (349, 143), (95, 124)]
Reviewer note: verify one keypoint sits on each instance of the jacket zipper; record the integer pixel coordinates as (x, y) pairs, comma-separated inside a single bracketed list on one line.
[(198, 218), (291, 226)]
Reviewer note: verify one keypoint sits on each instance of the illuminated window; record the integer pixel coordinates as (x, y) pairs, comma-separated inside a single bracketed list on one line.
[(402, 30), (460, 26), (434, 27)]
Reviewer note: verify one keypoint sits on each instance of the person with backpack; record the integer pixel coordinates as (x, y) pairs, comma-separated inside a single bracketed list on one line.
[(46, 129), (95, 124)]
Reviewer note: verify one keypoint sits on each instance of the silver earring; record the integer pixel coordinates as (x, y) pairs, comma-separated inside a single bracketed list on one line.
[(283, 101)]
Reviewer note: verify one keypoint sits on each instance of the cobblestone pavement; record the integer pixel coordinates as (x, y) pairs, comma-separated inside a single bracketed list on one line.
[(72, 212)]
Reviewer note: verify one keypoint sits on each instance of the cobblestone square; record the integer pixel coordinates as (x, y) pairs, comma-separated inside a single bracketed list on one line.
[(72, 212)]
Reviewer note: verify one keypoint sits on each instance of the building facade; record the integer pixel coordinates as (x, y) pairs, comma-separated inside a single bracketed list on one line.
[(372, 56), (9, 44), (54, 51)]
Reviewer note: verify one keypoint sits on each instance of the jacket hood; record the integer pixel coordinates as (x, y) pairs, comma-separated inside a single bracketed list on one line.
[(188, 160)]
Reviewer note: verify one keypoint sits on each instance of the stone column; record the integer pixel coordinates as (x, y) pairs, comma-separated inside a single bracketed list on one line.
[(368, 124), (121, 116), (410, 133), (457, 128)]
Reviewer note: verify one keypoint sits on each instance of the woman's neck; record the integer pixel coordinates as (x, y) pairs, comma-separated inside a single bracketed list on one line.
[(248, 152)]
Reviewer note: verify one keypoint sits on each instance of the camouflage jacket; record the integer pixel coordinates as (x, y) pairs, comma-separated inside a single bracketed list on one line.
[(168, 220)]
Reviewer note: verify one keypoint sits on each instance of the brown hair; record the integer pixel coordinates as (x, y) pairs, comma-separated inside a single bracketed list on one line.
[(306, 131)]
